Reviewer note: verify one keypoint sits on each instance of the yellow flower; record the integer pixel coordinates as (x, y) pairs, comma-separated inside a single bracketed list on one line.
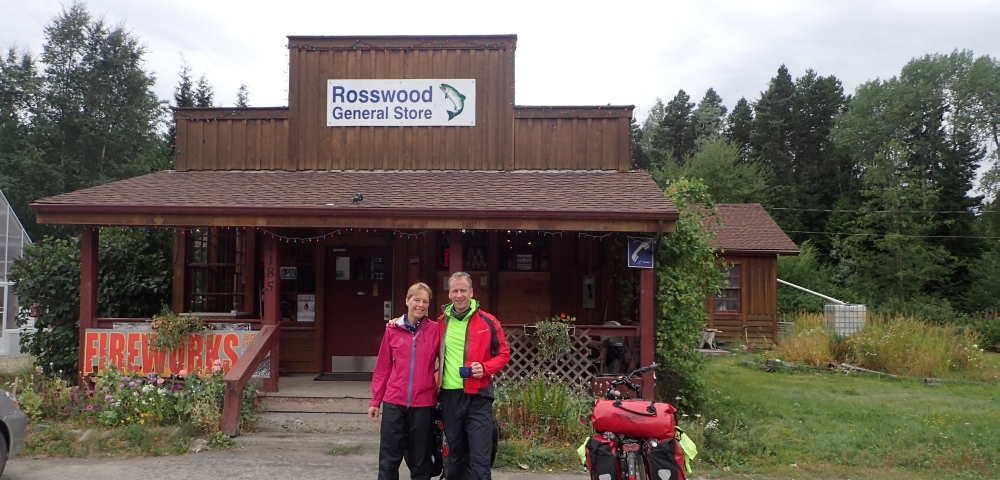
[(128, 418), (143, 422)]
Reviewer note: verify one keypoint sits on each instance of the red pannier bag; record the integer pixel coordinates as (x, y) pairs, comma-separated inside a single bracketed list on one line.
[(664, 459), (634, 418), (602, 458)]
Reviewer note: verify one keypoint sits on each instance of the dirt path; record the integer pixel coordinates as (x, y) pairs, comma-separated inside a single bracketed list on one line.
[(252, 459)]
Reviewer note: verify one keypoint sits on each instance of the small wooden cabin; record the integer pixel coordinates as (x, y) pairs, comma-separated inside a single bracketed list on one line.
[(749, 242), (314, 218)]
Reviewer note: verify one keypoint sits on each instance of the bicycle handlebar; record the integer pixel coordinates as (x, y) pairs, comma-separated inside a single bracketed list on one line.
[(626, 380)]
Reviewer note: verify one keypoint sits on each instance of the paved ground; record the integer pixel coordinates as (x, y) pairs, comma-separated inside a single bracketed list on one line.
[(295, 457)]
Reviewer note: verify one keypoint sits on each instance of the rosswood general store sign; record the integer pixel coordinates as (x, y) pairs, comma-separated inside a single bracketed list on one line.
[(411, 103)]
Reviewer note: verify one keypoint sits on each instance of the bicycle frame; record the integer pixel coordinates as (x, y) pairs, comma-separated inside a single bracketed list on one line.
[(631, 460)]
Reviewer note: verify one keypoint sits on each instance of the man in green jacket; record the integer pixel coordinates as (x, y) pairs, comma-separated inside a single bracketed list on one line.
[(473, 349)]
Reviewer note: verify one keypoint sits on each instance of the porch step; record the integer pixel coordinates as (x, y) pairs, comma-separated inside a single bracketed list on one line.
[(301, 404), (294, 425)]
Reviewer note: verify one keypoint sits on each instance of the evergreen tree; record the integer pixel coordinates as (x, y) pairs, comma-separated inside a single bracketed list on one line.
[(94, 117), (674, 139), (184, 91), (640, 161), (771, 137), (739, 126), (916, 138), (203, 94), (651, 123), (243, 98), (708, 120)]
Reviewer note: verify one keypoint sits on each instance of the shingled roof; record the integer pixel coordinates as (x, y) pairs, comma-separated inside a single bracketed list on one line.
[(599, 195), (747, 227)]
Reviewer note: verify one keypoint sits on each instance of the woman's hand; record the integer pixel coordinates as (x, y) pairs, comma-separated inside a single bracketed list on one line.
[(373, 413), (391, 322)]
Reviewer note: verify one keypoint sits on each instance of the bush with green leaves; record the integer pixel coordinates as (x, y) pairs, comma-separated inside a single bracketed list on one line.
[(543, 409), (687, 272), (555, 341), (135, 276)]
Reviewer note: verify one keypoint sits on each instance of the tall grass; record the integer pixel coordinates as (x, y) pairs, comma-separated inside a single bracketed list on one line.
[(903, 345), (896, 344), (811, 343)]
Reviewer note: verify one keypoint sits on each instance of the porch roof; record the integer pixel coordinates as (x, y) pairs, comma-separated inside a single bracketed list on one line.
[(525, 200), (747, 228)]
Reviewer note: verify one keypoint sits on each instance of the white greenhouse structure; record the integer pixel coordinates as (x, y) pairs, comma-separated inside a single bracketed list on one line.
[(13, 238)]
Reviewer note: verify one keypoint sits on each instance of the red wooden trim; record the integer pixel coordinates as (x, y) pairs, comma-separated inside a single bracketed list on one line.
[(755, 252), (432, 42), (108, 323), (647, 329), (456, 255), (240, 373), (89, 242), (272, 303)]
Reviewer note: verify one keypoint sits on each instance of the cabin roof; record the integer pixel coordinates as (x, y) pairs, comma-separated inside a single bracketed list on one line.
[(747, 227)]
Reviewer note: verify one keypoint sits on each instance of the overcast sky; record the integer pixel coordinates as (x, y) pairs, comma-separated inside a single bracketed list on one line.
[(568, 53)]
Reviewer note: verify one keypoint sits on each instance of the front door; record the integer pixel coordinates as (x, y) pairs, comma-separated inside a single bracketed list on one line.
[(358, 303)]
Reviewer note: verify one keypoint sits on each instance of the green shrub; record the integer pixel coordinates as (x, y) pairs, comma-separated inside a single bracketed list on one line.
[(135, 276), (543, 409), (686, 274)]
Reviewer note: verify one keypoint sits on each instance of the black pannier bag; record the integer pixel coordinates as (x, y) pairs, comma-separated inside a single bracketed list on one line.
[(664, 459), (602, 458)]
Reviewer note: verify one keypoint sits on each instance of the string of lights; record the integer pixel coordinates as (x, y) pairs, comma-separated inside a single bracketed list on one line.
[(342, 231)]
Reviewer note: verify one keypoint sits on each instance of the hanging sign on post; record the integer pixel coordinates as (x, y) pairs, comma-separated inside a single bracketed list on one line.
[(640, 252), (441, 102)]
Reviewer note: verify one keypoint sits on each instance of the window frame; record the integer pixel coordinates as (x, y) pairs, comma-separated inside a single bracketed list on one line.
[(224, 262), (722, 297)]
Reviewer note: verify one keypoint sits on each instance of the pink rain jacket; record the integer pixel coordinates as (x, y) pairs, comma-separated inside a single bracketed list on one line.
[(404, 372)]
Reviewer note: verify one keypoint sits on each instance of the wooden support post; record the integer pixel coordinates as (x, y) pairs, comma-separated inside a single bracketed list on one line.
[(179, 293), (647, 330), (456, 254), (272, 303), (89, 242)]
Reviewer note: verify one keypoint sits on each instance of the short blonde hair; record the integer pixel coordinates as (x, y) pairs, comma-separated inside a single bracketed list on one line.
[(416, 287)]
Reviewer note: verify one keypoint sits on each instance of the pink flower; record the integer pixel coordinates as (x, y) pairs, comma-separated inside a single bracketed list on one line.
[(88, 420), (217, 363), (159, 381), (90, 407), (109, 398), (182, 373), (216, 369)]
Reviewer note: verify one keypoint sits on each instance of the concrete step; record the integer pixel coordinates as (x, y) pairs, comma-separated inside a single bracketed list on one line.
[(302, 404), (351, 424), (300, 439)]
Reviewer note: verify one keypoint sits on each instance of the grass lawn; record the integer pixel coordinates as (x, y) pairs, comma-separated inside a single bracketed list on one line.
[(834, 425)]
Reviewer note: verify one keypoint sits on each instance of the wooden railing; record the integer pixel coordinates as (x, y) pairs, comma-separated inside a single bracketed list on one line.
[(239, 375)]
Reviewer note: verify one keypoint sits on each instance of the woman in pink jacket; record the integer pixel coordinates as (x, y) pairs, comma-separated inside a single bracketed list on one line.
[(406, 388)]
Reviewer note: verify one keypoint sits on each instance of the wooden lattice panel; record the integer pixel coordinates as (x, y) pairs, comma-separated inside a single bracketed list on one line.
[(577, 368)]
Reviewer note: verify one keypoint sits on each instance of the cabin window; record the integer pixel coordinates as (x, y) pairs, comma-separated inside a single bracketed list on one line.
[(728, 299), (214, 268)]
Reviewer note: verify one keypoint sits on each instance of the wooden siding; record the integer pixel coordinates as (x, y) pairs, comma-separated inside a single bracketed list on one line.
[(758, 302), (486, 146), (572, 138), (231, 139)]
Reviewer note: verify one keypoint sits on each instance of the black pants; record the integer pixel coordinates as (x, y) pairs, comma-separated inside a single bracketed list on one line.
[(468, 427), (409, 432)]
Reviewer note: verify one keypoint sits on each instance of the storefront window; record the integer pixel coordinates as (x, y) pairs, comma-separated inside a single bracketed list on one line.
[(523, 251), (215, 266), (728, 300), (298, 277)]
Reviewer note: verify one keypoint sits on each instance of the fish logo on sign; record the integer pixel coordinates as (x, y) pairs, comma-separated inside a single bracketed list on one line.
[(456, 98)]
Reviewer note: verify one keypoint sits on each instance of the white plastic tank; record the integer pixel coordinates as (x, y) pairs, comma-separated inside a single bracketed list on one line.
[(845, 319)]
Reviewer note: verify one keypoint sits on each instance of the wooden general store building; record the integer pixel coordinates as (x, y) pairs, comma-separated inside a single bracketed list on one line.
[(284, 218)]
